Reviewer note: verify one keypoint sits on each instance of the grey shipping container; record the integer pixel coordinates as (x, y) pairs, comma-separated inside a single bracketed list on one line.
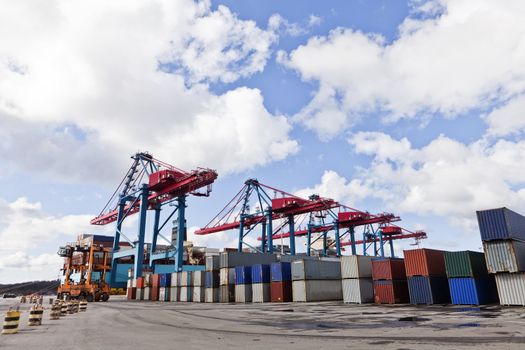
[(198, 295), (211, 295), (511, 288), (505, 256), (500, 223), (358, 290), (185, 279), (232, 259), (356, 266), (146, 293), (261, 292), (198, 278), (213, 262), (317, 290), (175, 294), (243, 293), (227, 276), (185, 294), (175, 279), (316, 270), (227, 293), (139, 294)]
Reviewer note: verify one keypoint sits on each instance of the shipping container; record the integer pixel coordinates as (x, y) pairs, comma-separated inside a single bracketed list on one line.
[(281, 291), (212, 279), (186, 293), (213, 262), (425, 262), (505, 256), (175, 279), (185, 279), (139, 294), (243, 275), (473, 291), (154, 294), (146, 293), (155, 280), (227, 293), (224, 276), (147, 279), (198, 278), (131, 293), (164, 294), (198, 294), (391, 292), (140, 282), (356, 266), (281, 272), (261, 273), (500, 223), (465, 264), (233, 259), (165, 280), (428, 290), (243, 293), (316, 290), (511, 288), (316, 270), (388, 269), (175, 294), (358, 290), (261, 292), (211, 295)]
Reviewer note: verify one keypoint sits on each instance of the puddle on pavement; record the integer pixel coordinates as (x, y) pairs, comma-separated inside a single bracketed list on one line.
[(466, 325), (413, 319)]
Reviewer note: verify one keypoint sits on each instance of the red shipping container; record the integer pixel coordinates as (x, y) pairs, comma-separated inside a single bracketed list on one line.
[(140, 282), (425, 262), (154, 294), (391, 292), (155, 280), (388, 269), (281, 291), (132, 293)]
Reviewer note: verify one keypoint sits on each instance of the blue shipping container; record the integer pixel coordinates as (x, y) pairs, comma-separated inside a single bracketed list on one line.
[(501, 223), (243, 275), (261, 273), (473, 291), (281, 272), (212, 279), (165, 280), (428, 290)]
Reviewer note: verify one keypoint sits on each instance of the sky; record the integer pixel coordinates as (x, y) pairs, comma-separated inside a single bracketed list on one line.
[(410, 107)]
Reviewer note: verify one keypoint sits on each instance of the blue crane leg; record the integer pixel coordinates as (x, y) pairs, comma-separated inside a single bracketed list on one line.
[(139, 257), (291, 224), (181, 232)]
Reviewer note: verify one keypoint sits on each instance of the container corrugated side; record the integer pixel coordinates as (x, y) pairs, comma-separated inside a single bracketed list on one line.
[(185, 279), (424, 262), (316, 270), (317, 290), (198, 294), (261, 292), (175, 279), (243, 293), (358, 290), (213, 262), (473, 291), (500, 223), (428, 290), (281, 291), (465, 264), (281, 271), (198, 278), (233, 259), (388, 269), (211, 295), (356, 266), (511, 288), (227, 293), (212, 279), (186, 294), (391, 292), (146, 293), (261, 273), (175, 294), (224, 276), (139, 295), (243, 275), (505, 256)]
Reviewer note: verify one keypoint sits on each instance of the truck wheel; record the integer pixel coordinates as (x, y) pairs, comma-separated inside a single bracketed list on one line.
[(105, 297), (89, 298)]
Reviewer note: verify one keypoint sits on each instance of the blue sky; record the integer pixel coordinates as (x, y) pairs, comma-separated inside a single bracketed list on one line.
[(410, 107)]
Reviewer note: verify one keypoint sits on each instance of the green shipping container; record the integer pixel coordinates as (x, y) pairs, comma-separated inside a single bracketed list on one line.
[(465, 264)]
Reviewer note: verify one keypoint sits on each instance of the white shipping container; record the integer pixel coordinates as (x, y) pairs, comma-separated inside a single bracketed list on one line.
[(185, 279), (130, 283), (147, 279), (175, 279), (358, 290), (511, 288), (212, 263), (316, 270), (185, 293), (174, 294), (223, 276), (211, 295), (505, 256), (146, 293), (162, 293), (198, 294), (261, 292), (140, 294), (198, 278), (317, 290), (356, 266), (134, 283), (243, 293)]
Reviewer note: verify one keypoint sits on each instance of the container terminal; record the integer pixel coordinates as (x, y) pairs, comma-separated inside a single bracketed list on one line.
[(349, 288)]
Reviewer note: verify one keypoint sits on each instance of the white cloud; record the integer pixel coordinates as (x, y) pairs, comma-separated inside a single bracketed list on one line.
[(509, 119), (468, 57), (314, 20), (93, 70)]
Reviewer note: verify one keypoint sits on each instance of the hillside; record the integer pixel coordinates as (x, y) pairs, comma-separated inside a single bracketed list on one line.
[(25, 288)]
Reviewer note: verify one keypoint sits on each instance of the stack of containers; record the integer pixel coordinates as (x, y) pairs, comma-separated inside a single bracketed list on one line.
[(316, 280), (147, 286), (243, 284), (468, 279), (261, 283), (131, 291), (427, 276), (165, 286), (390, 281), (503, 235), (175, 286), (155, 285), (185, 286), (356, 274), (198, 286), (227, 285), (281, 282), (140, 289), (211, 282)]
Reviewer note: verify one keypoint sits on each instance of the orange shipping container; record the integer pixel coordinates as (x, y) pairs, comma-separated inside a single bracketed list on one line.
[(155, 280), (388, 269), (140, 282), (425, 262)]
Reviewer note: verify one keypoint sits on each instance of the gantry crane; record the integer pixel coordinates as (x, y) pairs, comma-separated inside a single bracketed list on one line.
[(151, 184)]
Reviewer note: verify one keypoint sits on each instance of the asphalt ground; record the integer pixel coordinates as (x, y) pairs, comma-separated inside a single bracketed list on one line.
[(121, 324)]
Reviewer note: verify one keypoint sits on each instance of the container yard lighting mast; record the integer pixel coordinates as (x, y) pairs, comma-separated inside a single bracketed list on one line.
[(151, 184)]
